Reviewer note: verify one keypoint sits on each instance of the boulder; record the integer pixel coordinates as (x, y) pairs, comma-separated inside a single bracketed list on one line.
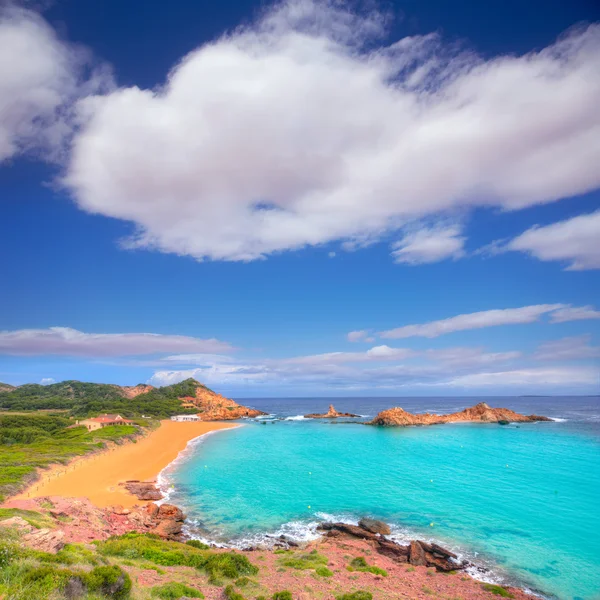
[(168, 529), (46, 540), (19, 523), (392, 550), (416, 554), (375, 526), (143, 490), (74, 589), (353, 530), (169, 511)]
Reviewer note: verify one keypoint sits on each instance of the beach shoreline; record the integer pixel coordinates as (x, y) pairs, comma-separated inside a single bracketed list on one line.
[(97, 476)]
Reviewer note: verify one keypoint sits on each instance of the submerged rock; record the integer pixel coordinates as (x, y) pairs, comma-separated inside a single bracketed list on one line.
[(480, 413), (143, 490)]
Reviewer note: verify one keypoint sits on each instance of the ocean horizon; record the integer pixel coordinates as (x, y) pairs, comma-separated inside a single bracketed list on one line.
[(519, 501)]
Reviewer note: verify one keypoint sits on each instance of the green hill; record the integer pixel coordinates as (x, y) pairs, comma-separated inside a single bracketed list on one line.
[(6, 387), (82, 398)]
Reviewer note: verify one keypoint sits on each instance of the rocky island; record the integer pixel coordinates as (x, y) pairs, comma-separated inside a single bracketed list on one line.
[(480, 413), (330, 414)]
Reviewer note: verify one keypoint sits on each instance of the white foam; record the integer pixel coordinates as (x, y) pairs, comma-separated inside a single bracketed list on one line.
[(559, 420), (296, 418)]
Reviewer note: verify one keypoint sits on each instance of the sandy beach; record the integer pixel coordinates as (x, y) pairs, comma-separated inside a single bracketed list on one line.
[(97, 476)]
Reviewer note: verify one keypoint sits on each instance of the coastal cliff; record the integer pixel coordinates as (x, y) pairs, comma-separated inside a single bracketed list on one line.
[(480, 413), (215, 407), (330, 414)]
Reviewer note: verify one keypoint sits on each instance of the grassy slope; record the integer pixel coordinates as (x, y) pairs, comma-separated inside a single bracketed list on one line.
[(32, 441)]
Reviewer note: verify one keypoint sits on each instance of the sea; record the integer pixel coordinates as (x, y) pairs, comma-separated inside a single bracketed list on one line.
[(520, 501)]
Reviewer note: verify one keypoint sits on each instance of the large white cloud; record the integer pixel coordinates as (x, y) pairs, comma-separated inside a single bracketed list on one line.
[(40, 78), (70, 342), (295, 132), (476, 320), (575, 241)]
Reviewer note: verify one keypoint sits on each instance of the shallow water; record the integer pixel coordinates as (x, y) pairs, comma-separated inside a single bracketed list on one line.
[(522, 500)]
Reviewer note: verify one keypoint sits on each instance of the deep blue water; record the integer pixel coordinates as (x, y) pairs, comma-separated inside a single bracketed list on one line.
[(521, 500)]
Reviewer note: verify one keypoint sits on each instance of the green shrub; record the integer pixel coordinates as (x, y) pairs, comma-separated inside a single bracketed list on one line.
[(197, 544), (8, 553), (283, 595), (312, 560), (242, 581), (360, 564), (497, 589), (231, 594), (174, 591), (360, 595), (323, 572), (110, 581)]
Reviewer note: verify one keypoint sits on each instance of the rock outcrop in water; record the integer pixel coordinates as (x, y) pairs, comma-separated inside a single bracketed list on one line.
[(330, 414), (480, 413)]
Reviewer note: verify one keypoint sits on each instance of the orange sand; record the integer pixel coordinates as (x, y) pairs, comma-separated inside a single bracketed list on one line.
[(97, 477)]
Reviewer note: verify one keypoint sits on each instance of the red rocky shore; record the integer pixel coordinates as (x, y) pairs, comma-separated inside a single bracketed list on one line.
[(480, 413)]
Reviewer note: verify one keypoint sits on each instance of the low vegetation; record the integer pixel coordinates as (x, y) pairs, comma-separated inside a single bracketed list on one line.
[(360, 564), (312, 560), (174, 591), (37, 440), (217, 565), (360, 595), (498, 590)]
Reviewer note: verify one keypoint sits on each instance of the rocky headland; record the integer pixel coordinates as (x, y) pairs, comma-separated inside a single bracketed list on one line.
[(480, 413), (330, 414), (215, 407)]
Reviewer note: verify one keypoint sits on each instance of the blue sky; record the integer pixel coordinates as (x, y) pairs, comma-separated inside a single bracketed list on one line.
[(302, 198)]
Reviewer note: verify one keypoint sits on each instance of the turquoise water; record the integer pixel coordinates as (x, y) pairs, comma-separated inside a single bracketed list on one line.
[(523, 501)]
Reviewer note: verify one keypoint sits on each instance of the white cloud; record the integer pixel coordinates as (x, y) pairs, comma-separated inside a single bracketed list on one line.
[(299, 130), (47, 381), (574, 313), (377, 353), (477, 320), (575, 240), (569, 348), (40, 78), (429, 244), (357, 336), (542, 377), (469, 357), (70, 342)]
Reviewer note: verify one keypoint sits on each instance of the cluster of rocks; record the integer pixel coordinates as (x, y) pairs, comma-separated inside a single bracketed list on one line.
[(417, 552), (330, 414), (165, 520), (143, 490), (78, 520), (480, 413)]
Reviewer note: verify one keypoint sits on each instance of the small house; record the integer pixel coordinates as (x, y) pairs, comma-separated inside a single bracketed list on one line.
[(103, 421), (182, 418)]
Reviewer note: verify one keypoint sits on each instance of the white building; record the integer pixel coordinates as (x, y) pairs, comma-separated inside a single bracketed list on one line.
[(185, 418)]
